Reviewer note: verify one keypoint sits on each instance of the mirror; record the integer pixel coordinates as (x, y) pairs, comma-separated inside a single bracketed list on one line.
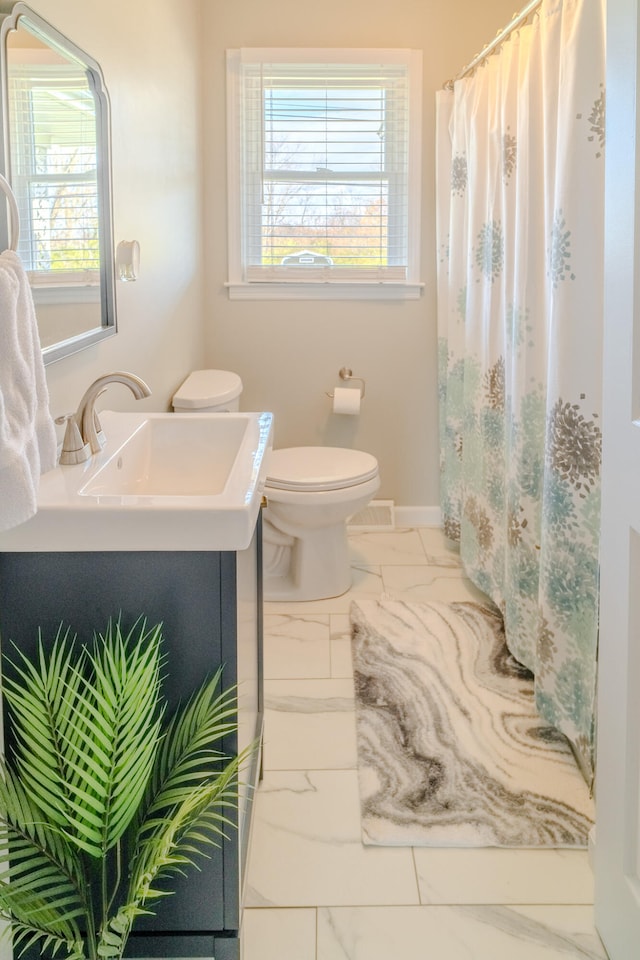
[(55, 154)]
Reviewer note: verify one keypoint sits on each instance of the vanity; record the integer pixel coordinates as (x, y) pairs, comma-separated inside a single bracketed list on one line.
[(165, 522)]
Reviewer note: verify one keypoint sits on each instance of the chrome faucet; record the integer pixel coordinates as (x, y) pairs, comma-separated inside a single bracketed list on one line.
[(84, 435)]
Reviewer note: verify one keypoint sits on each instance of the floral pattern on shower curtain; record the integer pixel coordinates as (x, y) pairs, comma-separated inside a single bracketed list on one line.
[(520, 185)]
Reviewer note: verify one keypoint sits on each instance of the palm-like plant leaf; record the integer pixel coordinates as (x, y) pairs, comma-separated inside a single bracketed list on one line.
[(21, 818), (42, 704), (167, 843), (192, 787), (39, 885), (26, 935), (113, 736), (186, 757)]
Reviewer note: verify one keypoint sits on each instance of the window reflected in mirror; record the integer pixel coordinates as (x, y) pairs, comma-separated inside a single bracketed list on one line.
[(57, 163)]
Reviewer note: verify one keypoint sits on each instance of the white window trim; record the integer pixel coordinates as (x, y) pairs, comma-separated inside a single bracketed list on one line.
[(241, 289)]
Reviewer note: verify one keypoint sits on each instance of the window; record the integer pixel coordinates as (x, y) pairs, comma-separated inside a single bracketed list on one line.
[(54, 174), (324, 173)]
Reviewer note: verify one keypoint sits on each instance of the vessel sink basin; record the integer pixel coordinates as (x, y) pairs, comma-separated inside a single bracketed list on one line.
[(164, 481)]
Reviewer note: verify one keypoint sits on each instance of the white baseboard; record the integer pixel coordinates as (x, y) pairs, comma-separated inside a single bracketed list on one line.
[(418, 516)]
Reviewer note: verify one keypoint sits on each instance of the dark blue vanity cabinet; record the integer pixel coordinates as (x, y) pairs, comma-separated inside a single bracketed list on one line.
[(210, 605)]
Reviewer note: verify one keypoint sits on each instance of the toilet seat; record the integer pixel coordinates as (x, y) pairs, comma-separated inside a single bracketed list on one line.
[(319, 468)]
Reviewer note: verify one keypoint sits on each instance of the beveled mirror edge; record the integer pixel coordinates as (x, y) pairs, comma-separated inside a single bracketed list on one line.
[(10, 15)]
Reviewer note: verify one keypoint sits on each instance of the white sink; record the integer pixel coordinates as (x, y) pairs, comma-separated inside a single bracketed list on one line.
[(172, 456), (162, 482)]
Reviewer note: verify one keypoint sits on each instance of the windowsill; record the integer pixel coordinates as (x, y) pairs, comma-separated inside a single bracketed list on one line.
[(65, 293), (324, 290)]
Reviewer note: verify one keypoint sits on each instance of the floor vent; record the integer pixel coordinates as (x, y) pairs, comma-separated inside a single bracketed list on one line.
[(377, 515)]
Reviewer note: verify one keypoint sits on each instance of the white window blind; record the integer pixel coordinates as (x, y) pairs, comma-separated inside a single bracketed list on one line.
[(328, 155), (54, 174)]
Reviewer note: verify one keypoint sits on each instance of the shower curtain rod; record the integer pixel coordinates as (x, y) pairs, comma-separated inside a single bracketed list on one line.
[(517, 20)]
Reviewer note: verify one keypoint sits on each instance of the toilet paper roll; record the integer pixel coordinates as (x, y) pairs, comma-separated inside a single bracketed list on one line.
[(346, 400)]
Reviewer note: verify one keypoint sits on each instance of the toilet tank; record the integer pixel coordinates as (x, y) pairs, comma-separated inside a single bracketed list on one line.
[(209, 391)]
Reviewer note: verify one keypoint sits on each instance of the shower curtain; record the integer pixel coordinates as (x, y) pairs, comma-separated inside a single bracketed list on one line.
[(520, 221)]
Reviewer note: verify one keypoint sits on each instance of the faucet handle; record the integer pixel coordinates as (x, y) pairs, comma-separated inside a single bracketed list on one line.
[(74, 450)]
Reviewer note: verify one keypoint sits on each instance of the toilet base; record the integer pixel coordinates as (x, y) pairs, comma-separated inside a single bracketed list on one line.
[(312, 567)]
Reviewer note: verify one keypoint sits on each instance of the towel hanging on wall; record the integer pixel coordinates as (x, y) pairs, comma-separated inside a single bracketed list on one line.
[(14, 232), (27, 432)]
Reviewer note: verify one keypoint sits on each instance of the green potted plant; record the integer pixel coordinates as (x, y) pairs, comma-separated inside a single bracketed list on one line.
[(101, 795)]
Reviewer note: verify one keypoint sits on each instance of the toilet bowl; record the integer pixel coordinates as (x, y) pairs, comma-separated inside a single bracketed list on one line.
[(311, 492)]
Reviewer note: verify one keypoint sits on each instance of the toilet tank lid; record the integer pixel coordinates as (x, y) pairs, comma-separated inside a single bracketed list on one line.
[(205, 388)]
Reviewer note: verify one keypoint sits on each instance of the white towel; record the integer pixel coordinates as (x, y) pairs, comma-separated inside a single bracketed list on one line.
[(27, 432)]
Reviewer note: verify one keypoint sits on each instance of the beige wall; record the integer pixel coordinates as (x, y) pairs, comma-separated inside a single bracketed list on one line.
[(149, 54), (289, 353)]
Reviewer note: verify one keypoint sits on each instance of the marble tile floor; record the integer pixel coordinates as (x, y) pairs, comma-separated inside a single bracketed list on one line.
[(313, 891)]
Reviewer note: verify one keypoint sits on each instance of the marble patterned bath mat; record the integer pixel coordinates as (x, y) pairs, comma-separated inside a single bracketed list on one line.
[(451, 750)]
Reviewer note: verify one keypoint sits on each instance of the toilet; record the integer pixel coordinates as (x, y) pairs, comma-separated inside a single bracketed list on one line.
[(311, 492)]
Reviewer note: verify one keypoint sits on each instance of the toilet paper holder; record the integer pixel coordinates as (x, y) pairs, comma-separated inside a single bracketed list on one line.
[(346, 374)]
